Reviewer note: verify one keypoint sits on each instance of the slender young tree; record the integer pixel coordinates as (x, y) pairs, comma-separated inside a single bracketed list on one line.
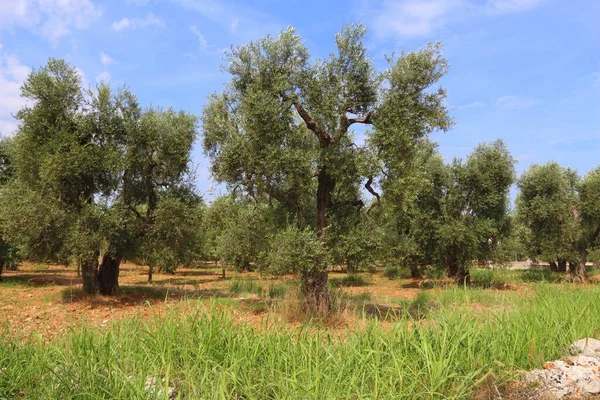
[(282, 128)]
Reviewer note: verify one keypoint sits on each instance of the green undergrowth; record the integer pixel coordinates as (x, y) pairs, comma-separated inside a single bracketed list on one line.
[(205, 354)]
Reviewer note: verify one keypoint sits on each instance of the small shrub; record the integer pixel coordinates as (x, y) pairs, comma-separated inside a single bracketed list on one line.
[(239, 286), (488, 279), (421, 305), (276, 291), (40, 267)]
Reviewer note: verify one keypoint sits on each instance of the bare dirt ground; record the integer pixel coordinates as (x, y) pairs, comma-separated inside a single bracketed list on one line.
[(47, 299)]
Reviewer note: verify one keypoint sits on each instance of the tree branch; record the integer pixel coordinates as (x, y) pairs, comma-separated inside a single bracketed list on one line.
[(374, 193), (346, 122), (311, 124), (366, 119)]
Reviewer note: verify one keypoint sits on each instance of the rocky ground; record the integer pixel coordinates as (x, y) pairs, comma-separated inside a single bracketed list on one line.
[(574, 377)]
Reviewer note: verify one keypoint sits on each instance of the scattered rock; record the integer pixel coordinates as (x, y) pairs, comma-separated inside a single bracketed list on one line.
[(574, 377)]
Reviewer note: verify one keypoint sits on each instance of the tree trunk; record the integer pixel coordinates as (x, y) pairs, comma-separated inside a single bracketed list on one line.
[(578, 270), (315, 290), (1, 268), (415, 272), (553, 266), (463, 276), (150, 270), (316, 284), (562, 265), (89, 272), (451, 268), (350, 266), (78, 267), (108, 275)]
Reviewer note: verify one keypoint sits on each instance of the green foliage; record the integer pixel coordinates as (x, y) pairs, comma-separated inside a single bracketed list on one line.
[(286, 118), (89, 169), (291, 251), (450, 215), (174, 238), (545, 205)]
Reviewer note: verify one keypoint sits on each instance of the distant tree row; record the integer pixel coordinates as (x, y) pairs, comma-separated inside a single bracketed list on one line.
[(92, 177)]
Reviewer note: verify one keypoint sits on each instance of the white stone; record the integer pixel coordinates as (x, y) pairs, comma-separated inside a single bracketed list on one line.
[(588, 347)]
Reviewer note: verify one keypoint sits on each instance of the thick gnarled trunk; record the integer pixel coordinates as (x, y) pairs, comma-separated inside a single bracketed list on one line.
[(108, 274), (578, 270), (315, 285)]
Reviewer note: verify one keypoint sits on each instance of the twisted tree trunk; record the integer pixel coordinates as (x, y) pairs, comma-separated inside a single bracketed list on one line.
[(108, 274), (578, 270)]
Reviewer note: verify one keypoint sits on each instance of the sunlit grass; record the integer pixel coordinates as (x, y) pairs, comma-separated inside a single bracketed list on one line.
[(204, 353)]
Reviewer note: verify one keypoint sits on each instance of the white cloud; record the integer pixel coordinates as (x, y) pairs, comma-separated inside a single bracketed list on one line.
[(12, 75), (51, 19), (516, 102), (135, 23), (106, 59), (475, 104), (199, 36), (103, 76), (412, 18)]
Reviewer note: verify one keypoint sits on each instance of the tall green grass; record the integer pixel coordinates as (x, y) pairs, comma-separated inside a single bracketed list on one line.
[(204, 354)]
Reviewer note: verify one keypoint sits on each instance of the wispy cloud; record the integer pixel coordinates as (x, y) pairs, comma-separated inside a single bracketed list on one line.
[(51, 19), (136, 23), (199, 36), (516, 102), (12, 75), (106, 60), (412, 18), (475, 104), (236, 18)]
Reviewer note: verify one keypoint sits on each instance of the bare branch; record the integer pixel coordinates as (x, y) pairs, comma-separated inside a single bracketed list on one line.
[(374, 193)]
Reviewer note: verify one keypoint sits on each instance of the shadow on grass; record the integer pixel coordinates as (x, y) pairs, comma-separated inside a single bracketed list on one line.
[(348, 281), (40, 279), (134, 295)]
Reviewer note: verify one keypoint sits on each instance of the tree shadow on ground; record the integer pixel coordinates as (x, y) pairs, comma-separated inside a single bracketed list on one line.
[(38, 279), (135, 295)]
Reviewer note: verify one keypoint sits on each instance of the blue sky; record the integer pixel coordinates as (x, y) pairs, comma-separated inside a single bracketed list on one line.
[(527, 71)]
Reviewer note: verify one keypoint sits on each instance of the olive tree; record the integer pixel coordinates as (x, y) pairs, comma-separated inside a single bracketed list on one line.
[(282, 128), (457, 213), (89, 169), (546, 206)]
